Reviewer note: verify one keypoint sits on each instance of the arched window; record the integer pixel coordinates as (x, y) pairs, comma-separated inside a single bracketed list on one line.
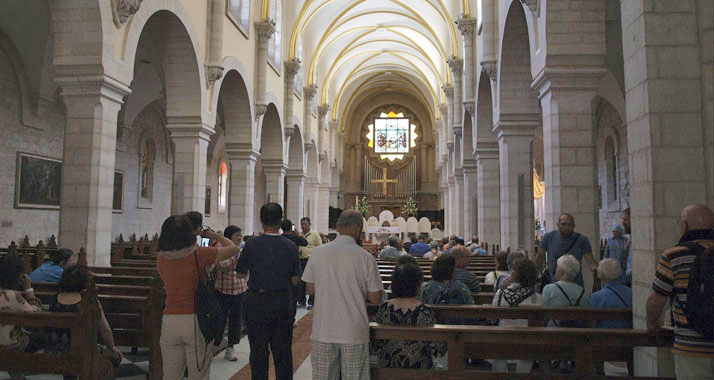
[(239, 12), (610, 170), (146, 172), (222, 186), (275, 46)]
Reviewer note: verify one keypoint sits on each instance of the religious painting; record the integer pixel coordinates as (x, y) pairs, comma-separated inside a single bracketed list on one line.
[(118, 200), (207, 208), (38, 181), (391, 135)]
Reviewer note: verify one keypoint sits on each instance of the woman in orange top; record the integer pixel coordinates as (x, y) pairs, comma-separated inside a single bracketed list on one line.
[(181, 340)]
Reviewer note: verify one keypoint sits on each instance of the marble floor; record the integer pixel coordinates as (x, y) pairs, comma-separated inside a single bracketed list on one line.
[(135, 367)]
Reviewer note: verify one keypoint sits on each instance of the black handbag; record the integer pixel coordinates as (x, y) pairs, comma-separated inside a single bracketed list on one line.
[(207, 307)]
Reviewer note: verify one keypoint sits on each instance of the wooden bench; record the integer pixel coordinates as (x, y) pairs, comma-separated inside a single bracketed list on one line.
[(584, 346), (134, 313), (83, 357), (480, 298)]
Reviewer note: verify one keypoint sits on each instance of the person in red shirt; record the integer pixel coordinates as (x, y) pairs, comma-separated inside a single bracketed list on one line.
[(180, 261)]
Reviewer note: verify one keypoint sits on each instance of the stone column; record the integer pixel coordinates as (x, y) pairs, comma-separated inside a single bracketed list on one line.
[(424, 170), (665, 143), (190, 137), (489, 195), (467, 26), (569, 140), (459, 195), (92, 107), (308, 98), (323, 204), (291, 69), (470, 193), (489, 37), (451, 205), (449, 126), (274, 181), (516, 176), (242, 187), (296, 193), (264, 31), (214, 61), (457, 69), (323, 133)]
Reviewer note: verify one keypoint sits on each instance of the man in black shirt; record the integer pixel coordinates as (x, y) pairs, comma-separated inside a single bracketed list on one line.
[(274, 267)]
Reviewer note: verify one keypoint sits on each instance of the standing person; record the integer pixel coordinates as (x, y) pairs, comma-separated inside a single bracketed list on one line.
[(313, 240), (693, 351), (345, 276), (230, 292), (625, 220), (289, 232), (274, 267), (180, 261), (562, 242), (617, 247)]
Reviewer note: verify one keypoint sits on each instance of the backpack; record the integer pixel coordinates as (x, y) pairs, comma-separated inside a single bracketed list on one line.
[(448, 295), (207, 307), (570, 323), (700, 300)]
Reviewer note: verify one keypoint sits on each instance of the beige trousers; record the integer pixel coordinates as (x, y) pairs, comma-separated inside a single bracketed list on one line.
[(182, 344), (693, 368)]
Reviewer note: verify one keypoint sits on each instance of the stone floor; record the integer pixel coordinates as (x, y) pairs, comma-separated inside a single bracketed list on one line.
[(135, 367)]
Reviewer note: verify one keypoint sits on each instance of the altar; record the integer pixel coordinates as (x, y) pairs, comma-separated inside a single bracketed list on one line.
[(379, 229)]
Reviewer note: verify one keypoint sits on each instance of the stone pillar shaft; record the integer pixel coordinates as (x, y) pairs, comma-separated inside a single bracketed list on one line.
[(264, 31), (489, 196), (242, 189), (452, 206), (470, 193), (275, 182), (88, 166), (514, 139), (296, 192), (323, 207), (459, 202), (190, 138)]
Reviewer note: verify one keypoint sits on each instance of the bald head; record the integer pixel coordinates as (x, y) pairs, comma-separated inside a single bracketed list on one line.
[(697, 217)]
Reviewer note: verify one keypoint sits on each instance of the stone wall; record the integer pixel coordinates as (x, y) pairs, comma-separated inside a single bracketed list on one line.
[(45, 138), (144, 217)]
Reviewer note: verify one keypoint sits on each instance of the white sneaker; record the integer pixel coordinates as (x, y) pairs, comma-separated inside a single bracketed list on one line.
[(229, 355)]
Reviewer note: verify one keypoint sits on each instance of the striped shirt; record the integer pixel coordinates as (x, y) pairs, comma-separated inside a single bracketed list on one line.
[(671, 280)]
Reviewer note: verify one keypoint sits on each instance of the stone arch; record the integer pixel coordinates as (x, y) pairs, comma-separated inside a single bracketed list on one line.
[(236, 110), (528, 22), (515, 95), (184, 74), (271, 136), (483, 136), (22, 80), (232, 63), (296, 151), (72, 23)]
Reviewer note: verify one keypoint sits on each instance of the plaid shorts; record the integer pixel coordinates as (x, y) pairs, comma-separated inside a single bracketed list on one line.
[(330, 359)]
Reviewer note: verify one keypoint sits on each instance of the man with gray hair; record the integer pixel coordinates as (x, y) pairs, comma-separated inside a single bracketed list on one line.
[(614, 293), (346, 277), (565, 292), (462, 256)]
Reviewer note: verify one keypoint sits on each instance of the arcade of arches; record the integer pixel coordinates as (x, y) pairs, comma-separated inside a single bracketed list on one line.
[(116, 114)]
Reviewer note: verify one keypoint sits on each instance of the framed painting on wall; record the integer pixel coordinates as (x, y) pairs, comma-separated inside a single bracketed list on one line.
[(38, 181), (207, 210), (118, 200)]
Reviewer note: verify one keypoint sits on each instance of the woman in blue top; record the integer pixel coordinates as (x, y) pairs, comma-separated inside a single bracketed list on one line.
[(51, 270)]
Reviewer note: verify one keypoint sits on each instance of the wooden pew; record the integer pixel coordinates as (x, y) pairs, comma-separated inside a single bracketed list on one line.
[(584, 346), (133, 311), (480, 298), (83, 358)]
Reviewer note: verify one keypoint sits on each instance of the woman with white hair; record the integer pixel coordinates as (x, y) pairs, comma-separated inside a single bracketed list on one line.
[(565, 292)]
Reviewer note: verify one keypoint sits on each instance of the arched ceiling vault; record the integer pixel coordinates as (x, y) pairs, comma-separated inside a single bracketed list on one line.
[(352, 47)]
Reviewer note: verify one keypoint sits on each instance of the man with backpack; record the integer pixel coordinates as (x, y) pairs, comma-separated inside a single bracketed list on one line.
[(685, 276)]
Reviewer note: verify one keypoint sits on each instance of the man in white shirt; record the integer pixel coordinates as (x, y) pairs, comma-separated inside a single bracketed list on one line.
[(345, 277)]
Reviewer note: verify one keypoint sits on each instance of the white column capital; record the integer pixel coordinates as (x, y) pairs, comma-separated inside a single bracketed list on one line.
[(568, 78), (323, 109), (457, 67), (188, 127), (264, 30), (448, 91), (467, 26), (310, 91), (516, 125), (291, 68)]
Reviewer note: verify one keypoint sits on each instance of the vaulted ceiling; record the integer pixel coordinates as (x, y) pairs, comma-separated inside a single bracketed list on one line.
[(350, 47)]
